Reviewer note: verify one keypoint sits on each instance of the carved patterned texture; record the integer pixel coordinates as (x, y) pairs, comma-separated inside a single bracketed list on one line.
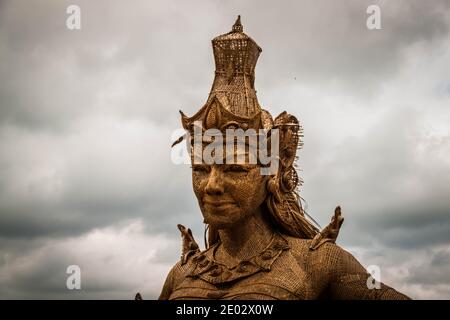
[(299, 262)]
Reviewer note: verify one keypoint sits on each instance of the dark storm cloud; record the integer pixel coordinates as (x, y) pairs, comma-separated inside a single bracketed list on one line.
[(410, 229), (114, 46), (325, 42), (435, 271), (67, 185), (322, 41), (86, 119), (388, 189), (100, 254)]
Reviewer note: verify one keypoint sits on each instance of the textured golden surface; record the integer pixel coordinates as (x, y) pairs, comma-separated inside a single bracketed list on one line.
[(260, 243), (289, 272)]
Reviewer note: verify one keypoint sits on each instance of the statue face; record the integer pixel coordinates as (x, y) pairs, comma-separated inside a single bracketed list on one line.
[(228, 193)]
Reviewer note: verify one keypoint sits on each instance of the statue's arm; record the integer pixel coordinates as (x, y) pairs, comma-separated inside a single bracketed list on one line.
[(349, 280)]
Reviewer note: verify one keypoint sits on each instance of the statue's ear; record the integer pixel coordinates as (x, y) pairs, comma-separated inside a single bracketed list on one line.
[(283, 201), (290, 132)]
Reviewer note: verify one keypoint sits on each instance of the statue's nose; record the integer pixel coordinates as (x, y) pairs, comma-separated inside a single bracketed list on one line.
[(215, 183)]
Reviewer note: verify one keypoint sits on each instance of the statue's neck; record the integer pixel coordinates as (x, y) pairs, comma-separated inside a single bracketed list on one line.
[(245, 239)]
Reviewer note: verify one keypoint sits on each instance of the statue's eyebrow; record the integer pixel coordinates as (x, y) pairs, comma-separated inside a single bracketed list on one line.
[(232, 158)]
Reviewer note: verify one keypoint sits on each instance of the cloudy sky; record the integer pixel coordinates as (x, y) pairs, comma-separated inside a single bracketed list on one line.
[(87, 118)]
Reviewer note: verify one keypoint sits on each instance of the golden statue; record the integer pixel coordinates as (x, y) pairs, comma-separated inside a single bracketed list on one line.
[(260, 244)]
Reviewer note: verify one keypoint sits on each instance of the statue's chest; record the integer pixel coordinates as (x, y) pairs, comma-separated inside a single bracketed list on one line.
[(285, 280)]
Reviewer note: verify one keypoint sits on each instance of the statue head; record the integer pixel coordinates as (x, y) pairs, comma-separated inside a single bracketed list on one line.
[(242, 158), (228, 193)]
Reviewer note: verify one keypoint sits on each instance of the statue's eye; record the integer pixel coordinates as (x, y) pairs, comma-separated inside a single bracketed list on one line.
[(236, 168), (201, 168)]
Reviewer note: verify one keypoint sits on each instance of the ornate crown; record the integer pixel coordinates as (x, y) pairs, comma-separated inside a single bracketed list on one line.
[(232, 101)]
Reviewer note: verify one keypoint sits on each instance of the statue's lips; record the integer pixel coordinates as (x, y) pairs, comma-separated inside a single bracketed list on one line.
[(218, 203)]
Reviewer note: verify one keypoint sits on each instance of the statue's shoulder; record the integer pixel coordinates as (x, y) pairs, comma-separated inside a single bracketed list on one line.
[(184, 266), (178, 273), (328, 258), (327, 254), (180, 270), (322, 248)]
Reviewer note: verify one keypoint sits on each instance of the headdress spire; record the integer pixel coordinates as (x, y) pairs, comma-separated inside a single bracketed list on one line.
[(237, 26), (232, 97)]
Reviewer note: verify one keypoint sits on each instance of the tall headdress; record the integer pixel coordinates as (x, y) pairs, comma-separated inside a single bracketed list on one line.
[(232, 103)]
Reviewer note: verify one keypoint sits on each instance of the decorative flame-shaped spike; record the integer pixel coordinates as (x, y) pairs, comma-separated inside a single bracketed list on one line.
[(237, 26)]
